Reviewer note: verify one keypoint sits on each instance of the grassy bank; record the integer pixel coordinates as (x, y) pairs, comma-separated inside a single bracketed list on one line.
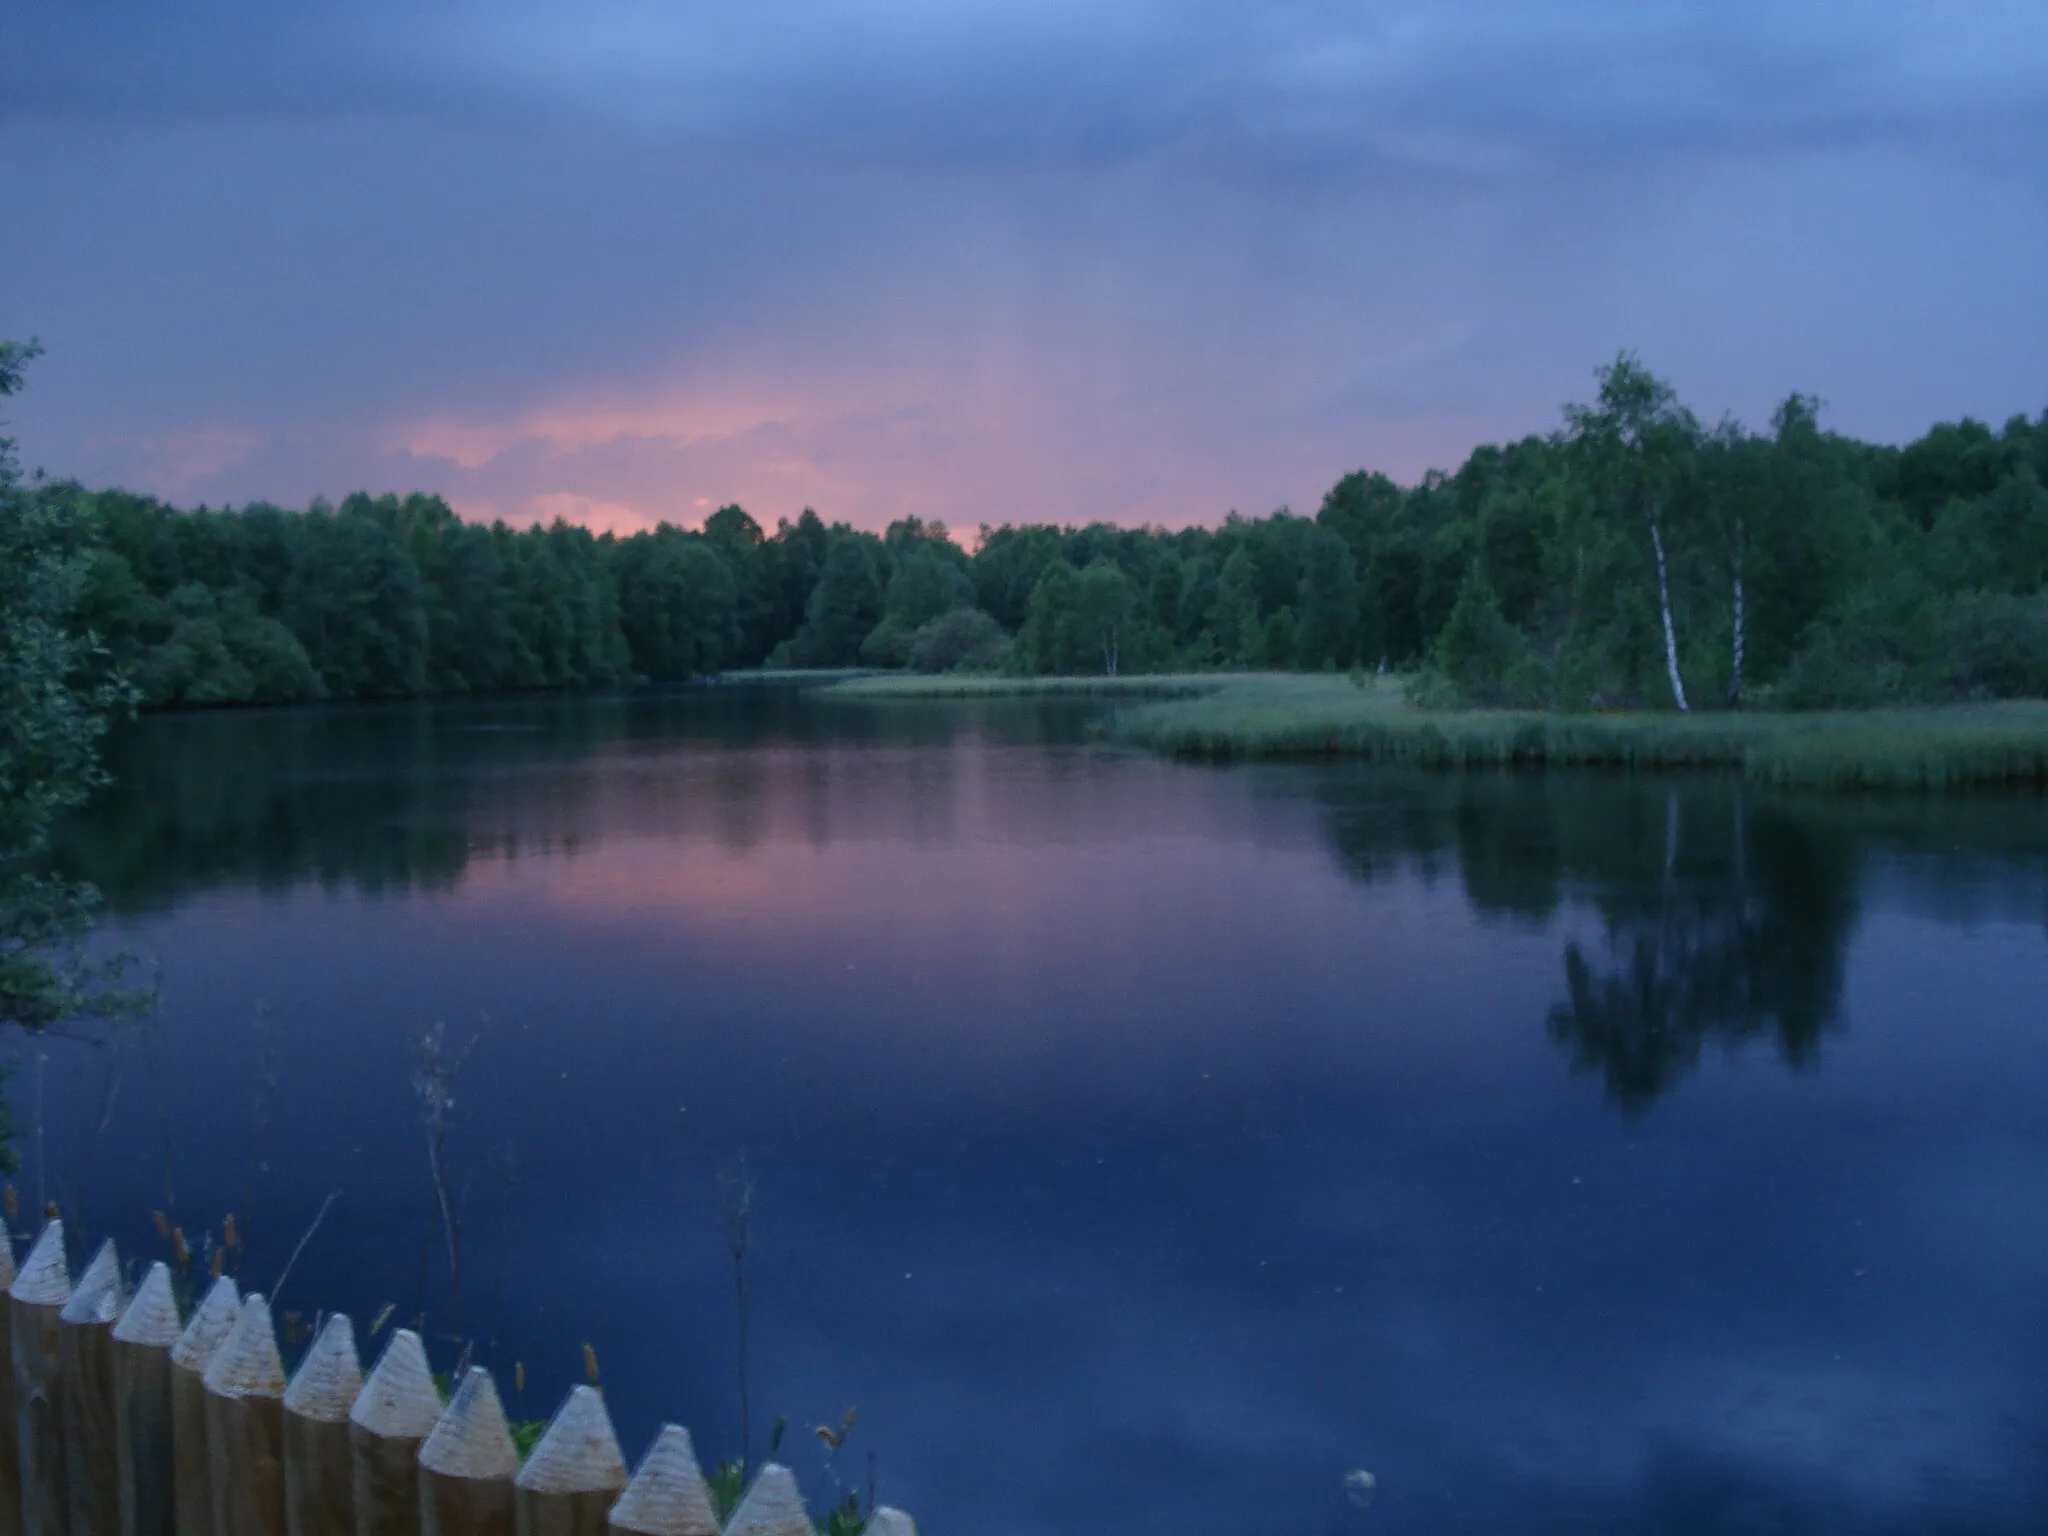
[(910, 685), (1281, 715)]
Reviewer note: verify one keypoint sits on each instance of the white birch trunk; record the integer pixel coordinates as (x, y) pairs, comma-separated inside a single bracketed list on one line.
[(1735, 680), (1670, 635)]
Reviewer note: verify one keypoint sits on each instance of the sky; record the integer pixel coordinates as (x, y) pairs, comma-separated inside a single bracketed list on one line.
[(989, 261)]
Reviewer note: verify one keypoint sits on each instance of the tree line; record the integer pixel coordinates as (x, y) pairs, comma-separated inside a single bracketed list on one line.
[(1632, 558)]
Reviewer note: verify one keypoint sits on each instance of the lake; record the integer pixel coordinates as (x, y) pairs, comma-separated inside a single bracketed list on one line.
[(1143, 1147)]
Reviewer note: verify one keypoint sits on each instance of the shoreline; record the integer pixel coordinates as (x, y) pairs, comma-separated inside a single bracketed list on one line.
[(1223, 717)]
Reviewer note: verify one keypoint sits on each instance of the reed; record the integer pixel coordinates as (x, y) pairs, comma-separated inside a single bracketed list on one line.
[(881, 686), (1303, 716)]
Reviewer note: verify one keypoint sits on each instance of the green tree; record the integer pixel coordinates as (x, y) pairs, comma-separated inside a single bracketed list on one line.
[(678, 605), (926, 584), (56, 699), (845, 605), (1631, 446), (1326, 609)]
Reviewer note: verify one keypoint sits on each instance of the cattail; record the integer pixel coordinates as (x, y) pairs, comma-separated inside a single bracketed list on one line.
[(382, 1318), (519, 1376), (590, 1366), (13, 1203), (180, 1249), (227, 1231), (220, 1262), (50, 1212), (163, 1227)]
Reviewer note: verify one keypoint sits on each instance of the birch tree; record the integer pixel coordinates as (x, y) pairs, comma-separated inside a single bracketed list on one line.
[(1629, 444)]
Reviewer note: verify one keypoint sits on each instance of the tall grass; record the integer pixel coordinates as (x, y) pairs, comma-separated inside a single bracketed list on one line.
[(1306, 716), (951, 685)]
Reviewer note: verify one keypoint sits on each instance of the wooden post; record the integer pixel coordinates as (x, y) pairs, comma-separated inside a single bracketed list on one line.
[(35, 1306), (574, 1474), (772, 1507), (318, 1497), (467, 1465), (192, 1460), (889, 1522), (10, 1434), (85, 1345), (245, 1426), (667, 1496), (142, 1407), (391, 1419)]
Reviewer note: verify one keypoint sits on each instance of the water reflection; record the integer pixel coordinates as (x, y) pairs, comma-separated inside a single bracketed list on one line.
[(1142, 1146), (1723, 913), (1742, 933)]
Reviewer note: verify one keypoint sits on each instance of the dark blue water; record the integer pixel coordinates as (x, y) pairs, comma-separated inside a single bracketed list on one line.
[(1142, 1147)]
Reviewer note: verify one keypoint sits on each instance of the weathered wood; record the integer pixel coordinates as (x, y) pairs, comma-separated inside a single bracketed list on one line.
[(772, 1507), (575, 1471), (467, 1465), (889, 1522), (245, 1426), (35, 1305), (391, 1419), (192, 1458), (319, 1499), (85, 1346), (10, 1441), (143, 1339), (667, 1496)]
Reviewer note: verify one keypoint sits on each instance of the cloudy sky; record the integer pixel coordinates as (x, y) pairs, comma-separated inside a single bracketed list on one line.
[(989, 260)]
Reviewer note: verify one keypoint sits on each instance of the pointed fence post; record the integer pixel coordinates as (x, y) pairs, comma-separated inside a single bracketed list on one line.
[(85, 1346), (245, 1426), (192, 1457), (667, 1496), (10, 1434), (35, 1308), (142, 1407), (319, 1495), (391, 1419), (468, 1463), (772, 1507), (574, 1473), (889, 1522)]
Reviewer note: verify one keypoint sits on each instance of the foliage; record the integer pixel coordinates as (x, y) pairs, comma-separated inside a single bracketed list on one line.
[(1630, 559), (56, 699), (961, 640)]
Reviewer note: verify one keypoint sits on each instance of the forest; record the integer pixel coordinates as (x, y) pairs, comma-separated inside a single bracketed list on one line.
[(1634, 558)]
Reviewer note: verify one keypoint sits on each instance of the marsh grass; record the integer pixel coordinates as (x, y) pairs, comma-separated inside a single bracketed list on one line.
[(952, 685), (809, 677), (1256, 715)]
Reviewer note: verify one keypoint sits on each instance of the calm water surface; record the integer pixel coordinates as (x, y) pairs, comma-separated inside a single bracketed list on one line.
[(1143, 1147)]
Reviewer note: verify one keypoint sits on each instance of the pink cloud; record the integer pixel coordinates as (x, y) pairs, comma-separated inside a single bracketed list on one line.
[(190, 455)]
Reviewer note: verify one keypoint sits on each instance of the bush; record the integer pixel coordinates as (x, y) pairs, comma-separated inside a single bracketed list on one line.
[(1995, 646), (1480, 658), (963, 640), (888, 644), (1874, 648)]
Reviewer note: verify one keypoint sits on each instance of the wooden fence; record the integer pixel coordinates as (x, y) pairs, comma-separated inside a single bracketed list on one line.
[(118, 1417)]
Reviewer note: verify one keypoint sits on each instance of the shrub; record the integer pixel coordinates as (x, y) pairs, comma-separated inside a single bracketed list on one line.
[(963, 640)]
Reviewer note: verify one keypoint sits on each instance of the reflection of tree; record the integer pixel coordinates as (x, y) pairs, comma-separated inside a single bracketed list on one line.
[(378, 798), (1724, 915), (1741, 935)]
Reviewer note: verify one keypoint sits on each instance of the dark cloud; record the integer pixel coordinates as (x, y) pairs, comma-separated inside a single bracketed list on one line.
[(1477, 83)]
